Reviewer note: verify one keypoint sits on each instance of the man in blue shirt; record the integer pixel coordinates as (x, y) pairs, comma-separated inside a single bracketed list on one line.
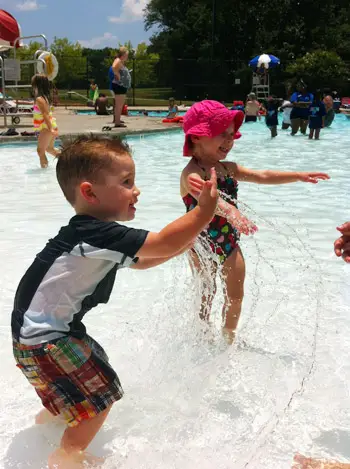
[(301, 101)]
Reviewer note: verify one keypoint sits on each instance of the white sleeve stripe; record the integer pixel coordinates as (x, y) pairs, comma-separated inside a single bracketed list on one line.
[(92, 252)]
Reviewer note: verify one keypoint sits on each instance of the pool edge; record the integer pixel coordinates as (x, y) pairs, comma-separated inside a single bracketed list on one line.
[(115, 133)]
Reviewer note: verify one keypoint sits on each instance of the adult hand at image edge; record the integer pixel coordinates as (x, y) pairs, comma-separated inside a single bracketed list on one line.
[(342, 244)]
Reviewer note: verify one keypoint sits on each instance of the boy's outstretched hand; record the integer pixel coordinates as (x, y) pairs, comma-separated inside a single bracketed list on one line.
[(313, 177), (342, 244), (208, 194)]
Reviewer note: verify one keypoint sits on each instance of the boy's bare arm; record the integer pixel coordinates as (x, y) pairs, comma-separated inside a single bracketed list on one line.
[(178, 234), (148, 263)]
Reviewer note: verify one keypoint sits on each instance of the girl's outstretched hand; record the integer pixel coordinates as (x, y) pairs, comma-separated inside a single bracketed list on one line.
[(313, 177)]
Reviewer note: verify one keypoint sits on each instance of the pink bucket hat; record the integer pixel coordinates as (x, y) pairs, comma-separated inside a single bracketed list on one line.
[(209, 119)]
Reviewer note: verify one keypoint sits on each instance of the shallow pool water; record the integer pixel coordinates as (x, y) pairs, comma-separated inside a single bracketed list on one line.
[(189, 400)]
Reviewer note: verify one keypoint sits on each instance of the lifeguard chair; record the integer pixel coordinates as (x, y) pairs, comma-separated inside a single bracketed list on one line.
[(11, 110), (261, 85), (261, 77)]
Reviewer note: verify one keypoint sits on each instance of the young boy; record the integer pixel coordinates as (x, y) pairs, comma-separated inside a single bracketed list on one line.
[(271, 118), (317, 113), (75, 272)]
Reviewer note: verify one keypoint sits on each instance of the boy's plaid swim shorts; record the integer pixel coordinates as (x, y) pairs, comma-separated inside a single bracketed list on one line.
[(72, 377)]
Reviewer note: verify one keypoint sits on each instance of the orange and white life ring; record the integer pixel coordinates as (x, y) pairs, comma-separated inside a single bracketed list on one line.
[(51, 65)]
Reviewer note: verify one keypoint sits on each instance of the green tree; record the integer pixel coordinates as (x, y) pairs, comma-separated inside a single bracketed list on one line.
[(286, 27), (216, 46), (145, 66), (98, 62), (320, 69), (72, 64), (141, 61)]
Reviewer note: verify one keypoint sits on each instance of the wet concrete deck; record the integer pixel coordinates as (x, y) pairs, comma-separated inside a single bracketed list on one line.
[(70, 125)]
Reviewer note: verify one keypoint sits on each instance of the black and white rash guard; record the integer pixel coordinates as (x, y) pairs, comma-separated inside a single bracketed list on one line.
[(73, 273)]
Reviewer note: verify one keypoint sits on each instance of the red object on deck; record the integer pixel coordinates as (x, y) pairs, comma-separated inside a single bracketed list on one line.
[(125, 110), (174, 120), (9, 29)]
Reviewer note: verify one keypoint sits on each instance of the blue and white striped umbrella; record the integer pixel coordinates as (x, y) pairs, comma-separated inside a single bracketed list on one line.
[(264, 60)]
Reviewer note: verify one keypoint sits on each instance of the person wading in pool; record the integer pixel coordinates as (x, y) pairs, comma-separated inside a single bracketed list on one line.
[(120, 84), (330, 114), (301, 101), (101, 105)]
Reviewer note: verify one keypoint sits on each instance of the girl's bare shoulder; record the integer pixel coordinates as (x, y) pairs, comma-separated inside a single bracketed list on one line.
[(191, 167)]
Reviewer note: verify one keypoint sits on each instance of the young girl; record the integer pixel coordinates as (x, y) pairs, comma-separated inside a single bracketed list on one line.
[(317, 113), (210, 130), (173, 109), (44, 122)]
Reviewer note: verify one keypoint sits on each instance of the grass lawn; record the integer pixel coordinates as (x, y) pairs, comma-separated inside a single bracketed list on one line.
[(142, 97)]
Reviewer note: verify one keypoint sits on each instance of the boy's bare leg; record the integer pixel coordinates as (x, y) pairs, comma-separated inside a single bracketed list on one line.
[(301, 462), (311, 134), (317, 134), (71, 454)]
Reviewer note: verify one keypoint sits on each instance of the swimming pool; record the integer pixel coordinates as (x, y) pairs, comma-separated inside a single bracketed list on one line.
[(190, 403), (131, 113)]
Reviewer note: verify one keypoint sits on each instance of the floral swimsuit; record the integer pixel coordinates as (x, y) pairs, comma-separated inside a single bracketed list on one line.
[(221, 235)]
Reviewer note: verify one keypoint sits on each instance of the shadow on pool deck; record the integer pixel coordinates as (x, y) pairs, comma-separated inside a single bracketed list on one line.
[(71, 125)]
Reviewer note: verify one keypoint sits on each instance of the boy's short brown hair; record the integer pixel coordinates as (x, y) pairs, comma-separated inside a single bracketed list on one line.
[(87, 158)]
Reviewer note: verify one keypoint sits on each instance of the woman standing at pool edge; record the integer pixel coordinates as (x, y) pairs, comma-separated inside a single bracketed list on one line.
[(43, 120), (120, 84)]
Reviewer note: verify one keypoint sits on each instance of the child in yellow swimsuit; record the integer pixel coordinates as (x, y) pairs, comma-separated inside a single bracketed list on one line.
[(44, 122)]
